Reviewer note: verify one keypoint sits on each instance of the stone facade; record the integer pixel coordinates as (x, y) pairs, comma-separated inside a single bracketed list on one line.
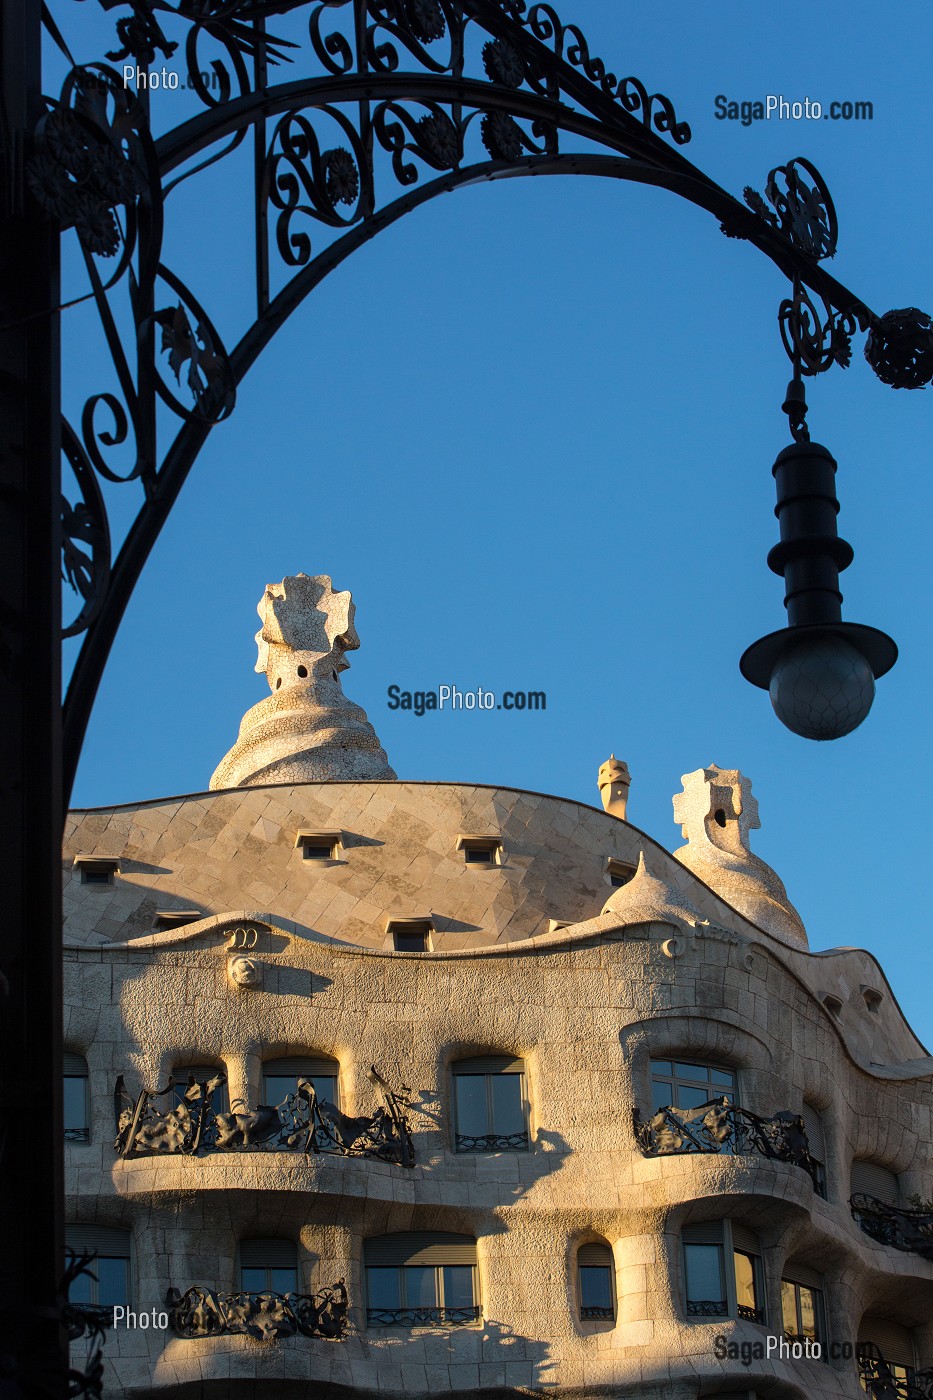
[(539, 954)]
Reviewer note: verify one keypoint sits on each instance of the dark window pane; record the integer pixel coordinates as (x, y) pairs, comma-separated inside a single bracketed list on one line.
[(82, 1290), (507, 1108), (253, 1280), (661, 1067), (705, 1281), (75, 1103), (283, 1280), (411, 942), (685, 1071), (458, 1286), (662, 1096), (477, 855), (276, 1087), (325, 1086), (470, 1090), (692, 1095), (595, 1286), (113, 1277), (382, 1288), (420, 1286), (723, 1076)]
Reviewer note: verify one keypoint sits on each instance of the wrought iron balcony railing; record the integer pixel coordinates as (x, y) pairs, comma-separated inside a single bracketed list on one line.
[(908, 1230), (190, 1124), (423, 1317), (720, 1126), (200, 1312), (748, 1314), (492, 1142), (880, 1381), (707, 1307), (594, 1314)]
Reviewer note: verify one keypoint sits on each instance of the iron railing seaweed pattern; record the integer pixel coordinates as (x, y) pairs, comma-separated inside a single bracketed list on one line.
[(721, 1126), (907, 1230), (202, 1312), (880, 1382), (189, 1123)]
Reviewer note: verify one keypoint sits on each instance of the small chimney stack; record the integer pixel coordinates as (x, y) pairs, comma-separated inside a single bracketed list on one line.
[(614, 782)]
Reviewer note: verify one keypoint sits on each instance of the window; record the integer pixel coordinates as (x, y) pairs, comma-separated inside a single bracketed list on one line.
[(96, 870), (280, 1078), (319, 845), (620, 872), (682, 1084), (802, 1305), (176, 918), (871, 1179), (813, 1127), (411, 935), (885, 1353), (112, 1265), (185, 1075), (711, 1289), (268, 1266), (490, 1109), (596, 1283), (481, 850), (77, 1099), (420, 1280)]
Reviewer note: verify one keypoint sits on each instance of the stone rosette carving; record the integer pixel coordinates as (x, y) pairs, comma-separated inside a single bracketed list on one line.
[(307, 730), (244, 972), (716, 812)]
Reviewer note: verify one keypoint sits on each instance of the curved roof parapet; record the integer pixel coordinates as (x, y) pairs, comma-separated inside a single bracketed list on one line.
[(716, 812), (307, 730)]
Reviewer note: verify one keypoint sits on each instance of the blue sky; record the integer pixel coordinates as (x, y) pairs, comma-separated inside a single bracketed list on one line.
[(531, 428)]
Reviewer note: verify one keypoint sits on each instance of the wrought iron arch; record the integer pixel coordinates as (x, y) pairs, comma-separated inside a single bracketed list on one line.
[(425, 96)]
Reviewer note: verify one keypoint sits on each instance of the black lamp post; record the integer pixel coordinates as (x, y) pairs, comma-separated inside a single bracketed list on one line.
[(820, 671)]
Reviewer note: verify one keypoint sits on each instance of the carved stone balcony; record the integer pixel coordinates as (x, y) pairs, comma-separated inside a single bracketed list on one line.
[(189, 1124), (423, 1317), (908, 1230), (200, 1312), (720, 1126), (880, 1382)]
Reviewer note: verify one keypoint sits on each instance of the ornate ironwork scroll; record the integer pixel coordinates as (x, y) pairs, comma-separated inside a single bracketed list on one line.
[(492, 1142), (720, 1126), (390, 103), (200, 1312), (190, 1123), (879, 1381), (907, 1230), (597, 1314), (423, 1317)]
